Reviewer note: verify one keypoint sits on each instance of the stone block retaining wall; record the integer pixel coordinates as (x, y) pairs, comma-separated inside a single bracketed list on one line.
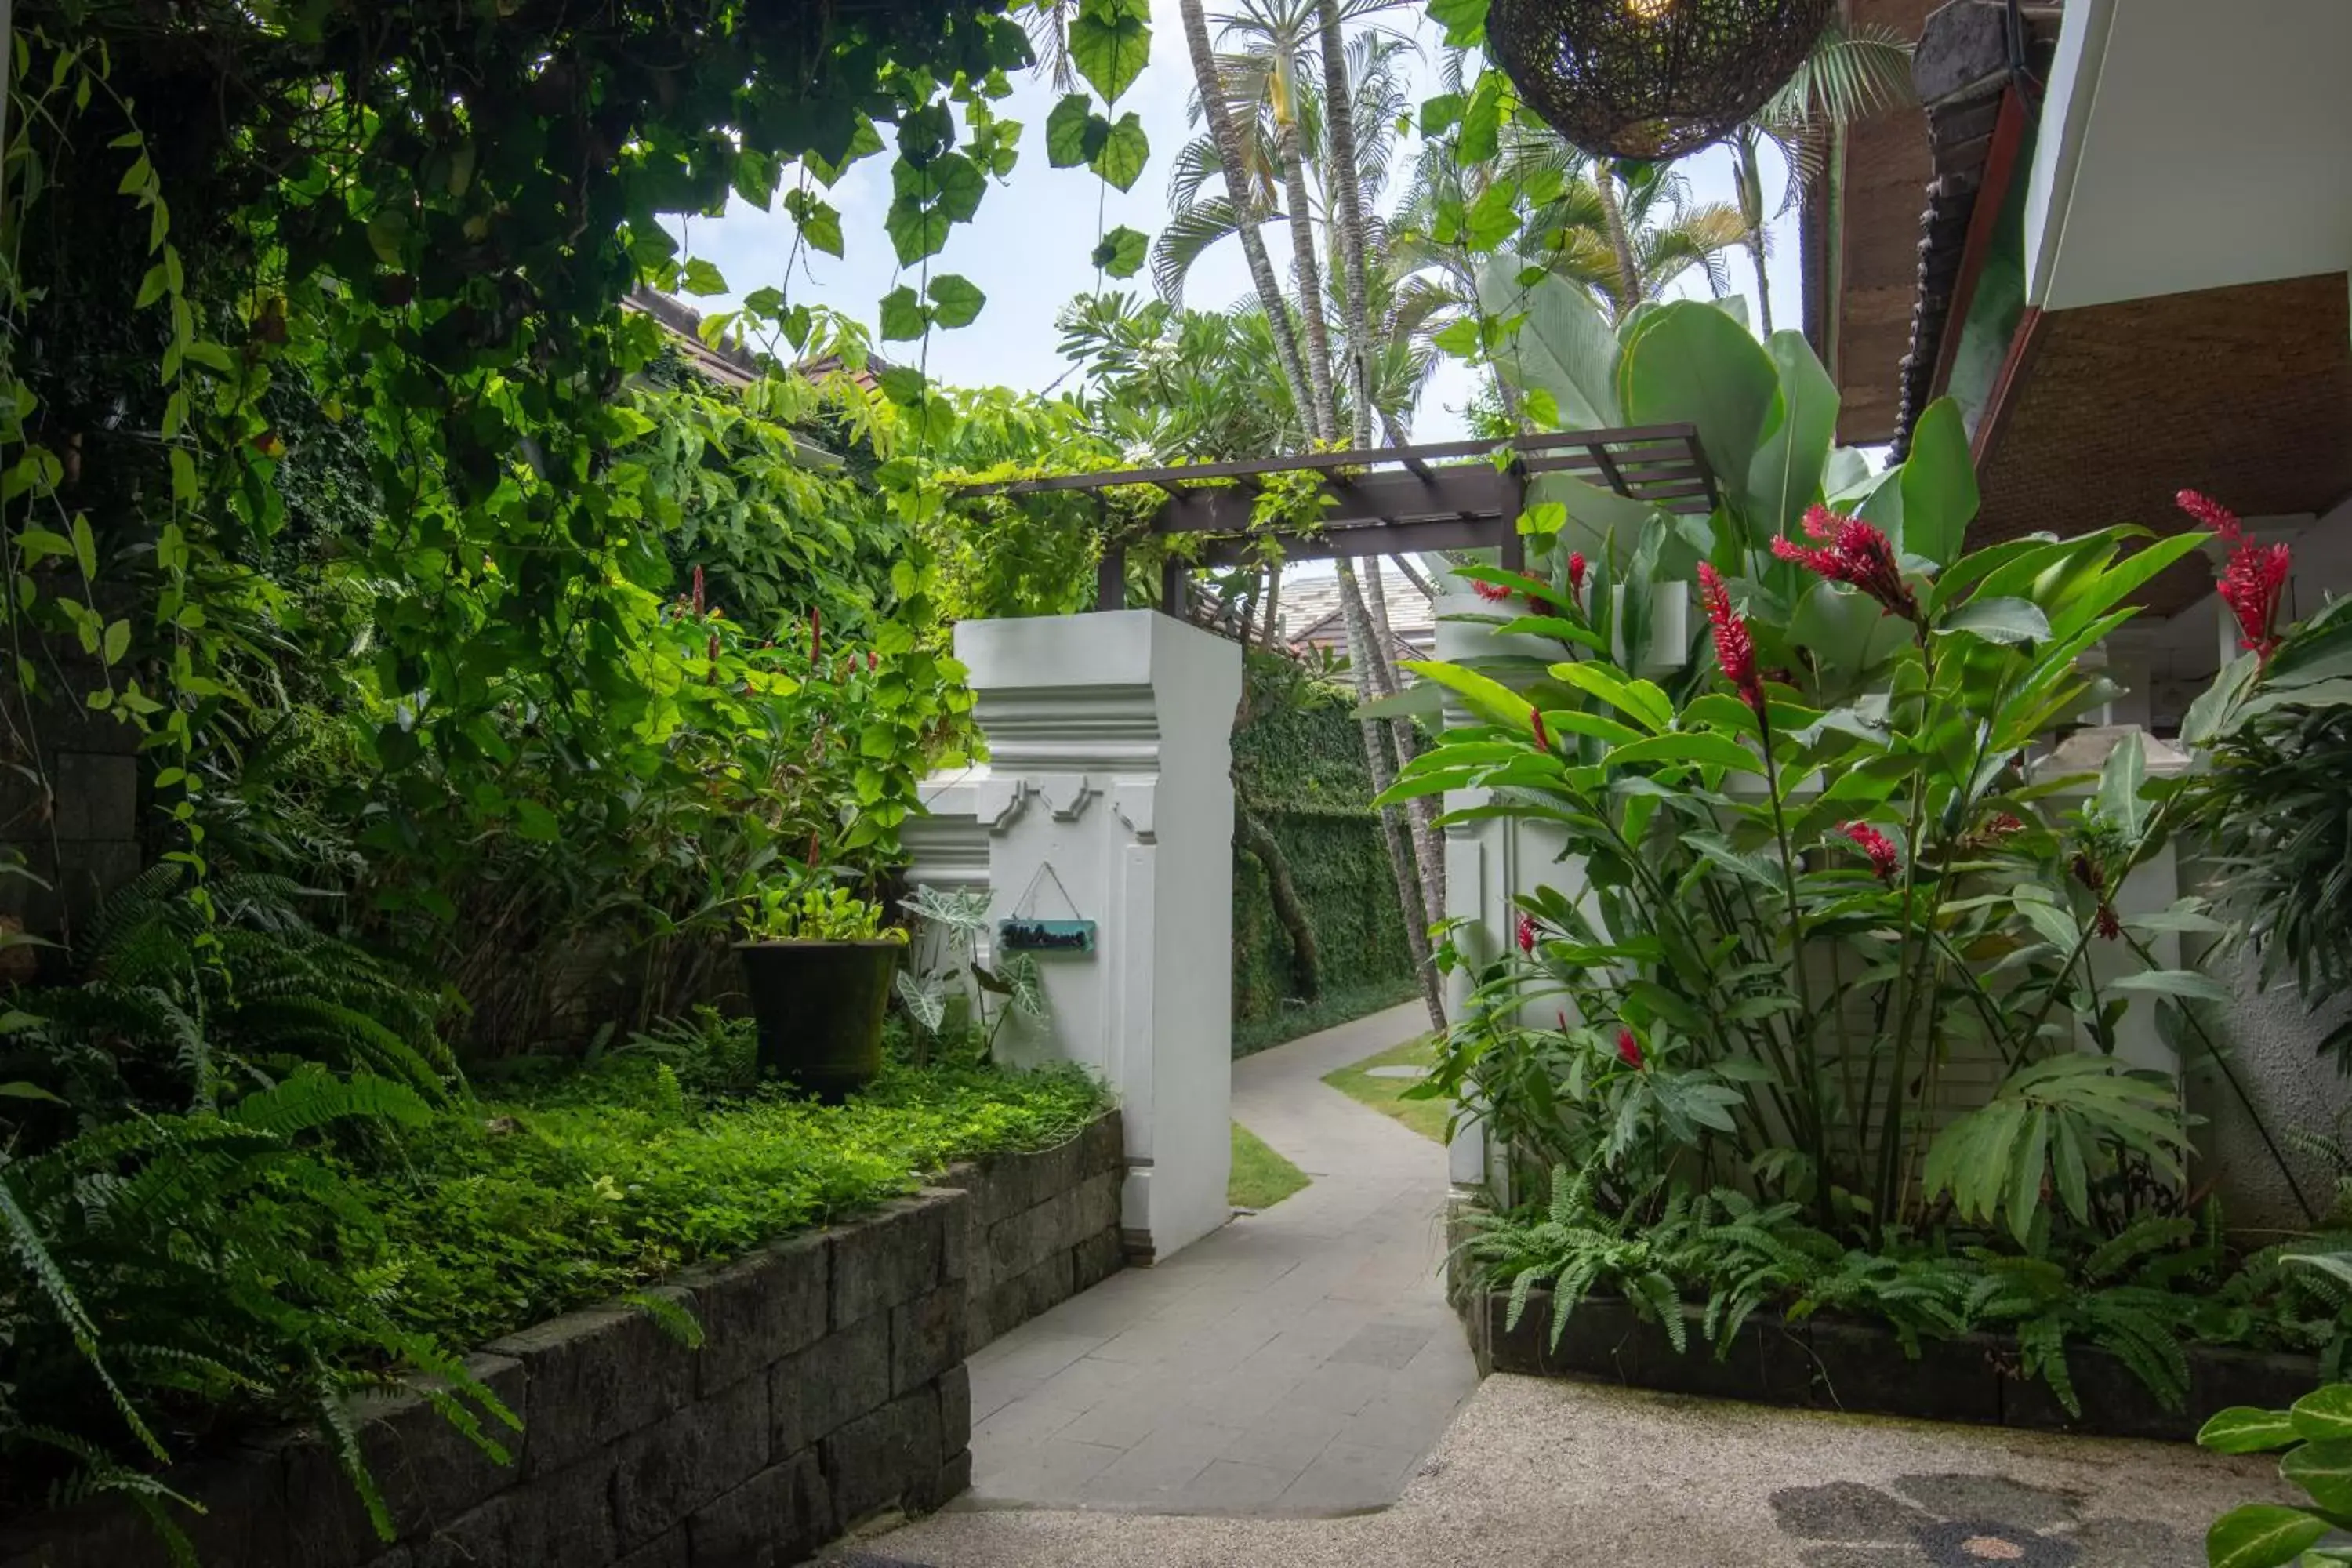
[(830, 1386), (1039, 1229)]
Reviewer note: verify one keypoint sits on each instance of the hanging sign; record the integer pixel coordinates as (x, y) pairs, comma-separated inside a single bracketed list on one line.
[(1022, 935), (1023, 932)]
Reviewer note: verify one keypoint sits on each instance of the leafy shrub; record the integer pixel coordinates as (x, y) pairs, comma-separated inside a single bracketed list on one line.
[(2316, 1438), (509, 1211)]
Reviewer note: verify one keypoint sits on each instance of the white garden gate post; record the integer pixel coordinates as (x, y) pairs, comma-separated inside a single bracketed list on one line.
[(1108, 799)]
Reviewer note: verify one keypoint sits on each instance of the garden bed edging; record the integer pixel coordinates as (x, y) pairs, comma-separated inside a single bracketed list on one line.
[(1860, 1367), (830, 1387)]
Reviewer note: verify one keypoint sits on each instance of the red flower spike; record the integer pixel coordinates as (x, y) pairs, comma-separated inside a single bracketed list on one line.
[(2087, 872), (1535, 727), (1576, 569), (1629, 1049), (2109, 928), (872, 658), (1855, 553), (1527, 935), (2213, 514), (712, 653), (816, 634), (2002, 824), (1562, 1016), (2254, 578), (1735, 650), (697, 591), (1883, 858), (1492, 592)]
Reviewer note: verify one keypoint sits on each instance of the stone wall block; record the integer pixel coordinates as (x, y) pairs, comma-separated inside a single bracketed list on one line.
[(951, 1477), (564, 1517), (667, 1471), (773, 1520), (666, 1551), (594, 1375), (874, 1461), (1095, 1259), (1094, 1206), (760, 1309), (892, 1256), (956, 1231), (813, 1393), (426, 1467), (955, 1409), (1028, 1239), (926, 1337), (1103, 1147), (97, 795)]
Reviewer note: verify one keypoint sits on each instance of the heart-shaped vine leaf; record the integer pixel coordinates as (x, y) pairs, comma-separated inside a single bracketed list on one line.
[(1110, 43), (904, 316), (955, 301), (1124, 153), (1121, 252)]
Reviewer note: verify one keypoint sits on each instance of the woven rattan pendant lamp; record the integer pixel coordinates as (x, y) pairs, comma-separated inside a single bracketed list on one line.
[(1650, 79)]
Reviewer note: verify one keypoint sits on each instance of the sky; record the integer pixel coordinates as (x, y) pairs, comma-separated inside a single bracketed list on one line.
[(1028, 247)]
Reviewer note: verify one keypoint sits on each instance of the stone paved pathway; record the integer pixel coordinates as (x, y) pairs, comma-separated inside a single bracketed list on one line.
[(1300, 1361)]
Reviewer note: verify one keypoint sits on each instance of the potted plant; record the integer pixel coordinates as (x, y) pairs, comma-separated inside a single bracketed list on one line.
[(818, 968)]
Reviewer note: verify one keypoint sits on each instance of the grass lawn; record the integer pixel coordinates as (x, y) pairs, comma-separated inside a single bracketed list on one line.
[(1261, 1177), (1386, 1095)]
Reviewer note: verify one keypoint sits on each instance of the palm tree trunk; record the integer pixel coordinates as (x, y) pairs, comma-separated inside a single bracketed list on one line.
[(1428, 850), (1308, 274), (1629, 270), (1751, 212), (1342, 177), (1238, 190)]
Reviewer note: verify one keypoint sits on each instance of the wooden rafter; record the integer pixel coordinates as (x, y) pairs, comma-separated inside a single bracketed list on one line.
[(1390, 500)]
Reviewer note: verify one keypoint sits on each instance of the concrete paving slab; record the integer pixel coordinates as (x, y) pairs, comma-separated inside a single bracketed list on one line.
[(1541, 1474), (1243, 1360)]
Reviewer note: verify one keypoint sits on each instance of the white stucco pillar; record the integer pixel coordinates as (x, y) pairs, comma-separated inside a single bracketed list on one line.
[(1109, 743)]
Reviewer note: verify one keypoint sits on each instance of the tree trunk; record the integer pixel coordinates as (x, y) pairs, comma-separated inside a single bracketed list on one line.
[(1751, 213), (1629, 270), (1307, 273), (1379, 763), (1342, 179), (1306, 951), (1228, 138), (1428, 851)]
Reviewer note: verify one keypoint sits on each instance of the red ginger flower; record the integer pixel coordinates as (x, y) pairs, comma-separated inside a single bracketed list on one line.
[(2254, 578), (1576, 569), (1852, 553), (1527, 935), (816, 634), (1629, 1049), (1535, 727), (2109, 928), (697, 591), (1884, 859), (2002, 824), (1735, 650), (1492, 592)]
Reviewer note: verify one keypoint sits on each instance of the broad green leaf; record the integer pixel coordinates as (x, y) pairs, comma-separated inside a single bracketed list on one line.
[(2324, 1470), (2243, 1429), (2325, 1414), (2213, 711), (1123, 153), (2261, 1535), (1938, 485), (2052, 925), (85, 546), (1073, 132), (21, 1090), (917, 230), (535, 822), (1489, 698), (1122, 251), (1999, 621), (1562, 344), (1110, 43), (1786, 476), (2119, 801), (116, 643), (1464, 21), (1639, 701), (2026, 1167), (1702, 747), (1693, 365), (700, 277), (904, 316), (955, 300)]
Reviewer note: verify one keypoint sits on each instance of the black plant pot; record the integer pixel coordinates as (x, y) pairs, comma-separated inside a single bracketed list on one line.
[(819, 1006)]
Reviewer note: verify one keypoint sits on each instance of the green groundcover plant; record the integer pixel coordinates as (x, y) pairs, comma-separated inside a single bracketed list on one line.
[(1817, 871)]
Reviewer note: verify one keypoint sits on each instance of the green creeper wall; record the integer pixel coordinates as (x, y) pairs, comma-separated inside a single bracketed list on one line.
[(1298, 764)]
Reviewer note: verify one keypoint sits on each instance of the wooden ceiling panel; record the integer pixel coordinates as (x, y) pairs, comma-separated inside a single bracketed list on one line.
[(2244, 393)]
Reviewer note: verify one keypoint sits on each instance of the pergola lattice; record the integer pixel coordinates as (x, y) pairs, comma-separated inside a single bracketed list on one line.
[(1390, 500)]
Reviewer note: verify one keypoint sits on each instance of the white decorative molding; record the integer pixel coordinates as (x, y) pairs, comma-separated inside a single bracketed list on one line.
[(1066, 795), (1133, 800)]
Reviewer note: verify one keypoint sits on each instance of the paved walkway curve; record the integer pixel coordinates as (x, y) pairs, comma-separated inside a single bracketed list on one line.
[(1297, 1363)]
